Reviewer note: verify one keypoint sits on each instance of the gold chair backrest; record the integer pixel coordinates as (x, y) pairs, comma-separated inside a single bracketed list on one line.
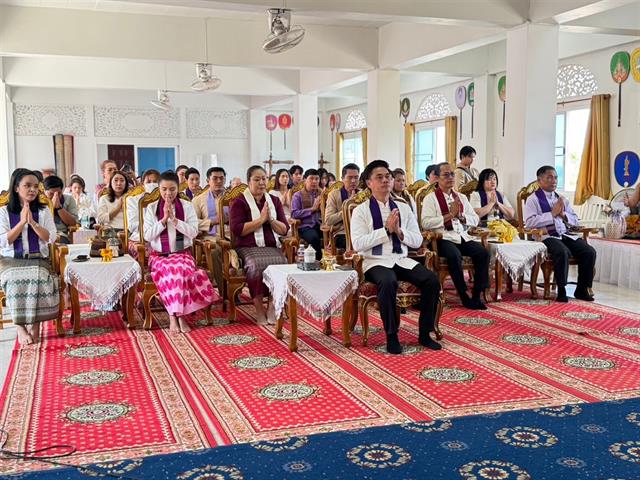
[(325, 195), (146, 200), (271, 184), (138, 190), (104, 191), (415, 187), (225, 201), (420, 196), (347, 210), (183, 186), (468, 188), (521, 199), (297, 188)]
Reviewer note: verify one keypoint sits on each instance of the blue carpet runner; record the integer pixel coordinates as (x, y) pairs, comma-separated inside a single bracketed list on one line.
[(599, 441)]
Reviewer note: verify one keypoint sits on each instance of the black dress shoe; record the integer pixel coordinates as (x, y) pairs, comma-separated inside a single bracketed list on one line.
[(393, 344), (477, 304), (562, 295), (429, 343), (583, 294)]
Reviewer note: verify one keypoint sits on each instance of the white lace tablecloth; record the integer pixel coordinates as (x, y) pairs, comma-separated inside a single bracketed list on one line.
[(83, 236), (617, 262), (318, 292), (103, 282), (519, 256)]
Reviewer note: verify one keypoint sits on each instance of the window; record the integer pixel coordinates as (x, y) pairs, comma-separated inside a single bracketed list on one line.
[(571, 129), (352, 149), (160, 158), (433, 106), (355, 121), (429, 148)]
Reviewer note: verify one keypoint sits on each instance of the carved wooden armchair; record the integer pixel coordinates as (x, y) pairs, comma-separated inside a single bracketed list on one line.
[(294, 223), (408, 294), (468, 188), (234, 276), (329, 232), (415, 187), (536, 234)]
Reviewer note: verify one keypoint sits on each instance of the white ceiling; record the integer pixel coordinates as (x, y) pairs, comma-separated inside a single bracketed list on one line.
[(127, 45)]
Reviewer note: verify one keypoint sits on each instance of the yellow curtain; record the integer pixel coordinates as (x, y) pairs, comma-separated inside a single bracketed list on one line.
[(409, 134), (363, 132), (594, 175), (339, 140), (451, 136)]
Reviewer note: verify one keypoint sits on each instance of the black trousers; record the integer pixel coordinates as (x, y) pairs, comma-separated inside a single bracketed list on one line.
[(386, 279), (340, 241), (313, 236), (479, 255), (560, 249)]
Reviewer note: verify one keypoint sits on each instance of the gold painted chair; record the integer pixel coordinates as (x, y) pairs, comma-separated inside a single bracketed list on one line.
[(149, 289), (329, 232), (293, 223), (468, 188), (536, 234), (54, 256), (415, 187), (408, 294), (232, 270)]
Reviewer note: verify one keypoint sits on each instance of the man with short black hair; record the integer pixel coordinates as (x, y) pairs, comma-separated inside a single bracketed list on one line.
[(64, 206), (333, 212), (181, 171), (446, 212), (193, 182), (547, 210), (464, 172), (305, 206), (430, 174), (382, 231), (295, 173)]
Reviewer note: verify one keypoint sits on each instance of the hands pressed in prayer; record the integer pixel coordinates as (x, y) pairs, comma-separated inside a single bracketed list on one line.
[(56, 200), (25, 214), (393, 221), (264, 214), (493, 198), (558, 208), (454, 208), (316, 204)]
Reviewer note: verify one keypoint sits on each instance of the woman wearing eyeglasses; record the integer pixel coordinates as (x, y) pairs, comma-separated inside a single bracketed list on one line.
[(487, 201)]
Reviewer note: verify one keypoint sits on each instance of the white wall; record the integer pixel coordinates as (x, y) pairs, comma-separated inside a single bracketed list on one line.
[(36, 151)]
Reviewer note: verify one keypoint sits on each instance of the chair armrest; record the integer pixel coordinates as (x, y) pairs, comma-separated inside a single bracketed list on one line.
[(356, 261), (294, 223), (141, 256), (61, 251), (123, 237), (585, 231), (289, 246)]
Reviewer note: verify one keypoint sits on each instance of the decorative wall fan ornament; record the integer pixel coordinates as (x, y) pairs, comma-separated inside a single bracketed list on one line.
[(461, 101), (283, 35), (271, 123), (332, 126), (620, 65), (285, 121), (205, 79), (405, 108), (502, 94), (471, 100), (162, 102)]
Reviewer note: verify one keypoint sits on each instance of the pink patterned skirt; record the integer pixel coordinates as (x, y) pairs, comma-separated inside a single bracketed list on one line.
[(182, 287)]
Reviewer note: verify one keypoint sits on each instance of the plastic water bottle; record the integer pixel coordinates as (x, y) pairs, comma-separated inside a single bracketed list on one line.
[(85, 223)]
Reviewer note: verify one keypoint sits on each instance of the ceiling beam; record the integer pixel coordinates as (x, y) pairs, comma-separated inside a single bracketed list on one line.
[(563, 11), (231, 42), (314, 82)]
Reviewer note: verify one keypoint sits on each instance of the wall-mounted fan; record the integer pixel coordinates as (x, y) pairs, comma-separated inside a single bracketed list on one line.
[(283, 35)]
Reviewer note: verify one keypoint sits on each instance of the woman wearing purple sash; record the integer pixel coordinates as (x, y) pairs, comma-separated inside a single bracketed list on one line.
[(26, 230), (487, 201)]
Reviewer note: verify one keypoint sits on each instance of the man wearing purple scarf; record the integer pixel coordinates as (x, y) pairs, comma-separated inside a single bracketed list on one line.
[(547, 210), (382, 231)]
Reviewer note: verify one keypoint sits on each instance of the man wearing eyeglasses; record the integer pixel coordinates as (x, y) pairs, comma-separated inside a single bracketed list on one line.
[(382, 230), (446, 212)]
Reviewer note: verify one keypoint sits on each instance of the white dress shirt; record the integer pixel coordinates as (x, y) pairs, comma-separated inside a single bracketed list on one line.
[(45, 219), (153, 227), (105, 207), (476, 202), (534, 218), (364, 237), (433, 219)]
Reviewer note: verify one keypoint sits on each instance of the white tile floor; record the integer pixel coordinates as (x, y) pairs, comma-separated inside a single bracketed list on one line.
[(609, 295)]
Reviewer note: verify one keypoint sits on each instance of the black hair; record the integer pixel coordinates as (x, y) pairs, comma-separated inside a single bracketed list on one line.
[(332, 177), (542, 170), (148, 172), (38, 174), (180, 167), (311, 171), (295, 168), (170, 176), (215, 169), (467, 151), (79, 180), (438, 167), (368, 170), (349, 166), (428, 171), (322, 171), (485, 175), (252, 169), (191, 171), (397, 171), (111, 193), (53, 181), (14, 199), (278, 173)]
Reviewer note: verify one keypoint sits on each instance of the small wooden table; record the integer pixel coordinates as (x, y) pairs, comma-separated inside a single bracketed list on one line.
[(319, 292), (520, 254)]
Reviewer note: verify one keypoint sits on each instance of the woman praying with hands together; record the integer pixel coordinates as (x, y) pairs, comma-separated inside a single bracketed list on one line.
[(487, 201)]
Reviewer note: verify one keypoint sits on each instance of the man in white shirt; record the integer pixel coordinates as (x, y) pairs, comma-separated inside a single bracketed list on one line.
[(446, 212), (382, 230), (547, 210)]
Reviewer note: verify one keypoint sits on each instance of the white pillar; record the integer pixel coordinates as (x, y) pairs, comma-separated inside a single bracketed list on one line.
[(384, 130), (532, 65), (258, 146), (305, 131), (6, 165)]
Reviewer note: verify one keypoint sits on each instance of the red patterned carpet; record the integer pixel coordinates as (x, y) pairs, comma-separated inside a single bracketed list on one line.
[(116, 394)]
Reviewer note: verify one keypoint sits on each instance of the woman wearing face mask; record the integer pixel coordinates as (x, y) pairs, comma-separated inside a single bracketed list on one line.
[(26, 230), (170, 225), (487, 201), (149, 181), (110, 207)]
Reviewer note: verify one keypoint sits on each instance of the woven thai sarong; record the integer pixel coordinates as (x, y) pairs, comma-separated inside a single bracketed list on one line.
[(255, 260), (32, 292), (182, 287)]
